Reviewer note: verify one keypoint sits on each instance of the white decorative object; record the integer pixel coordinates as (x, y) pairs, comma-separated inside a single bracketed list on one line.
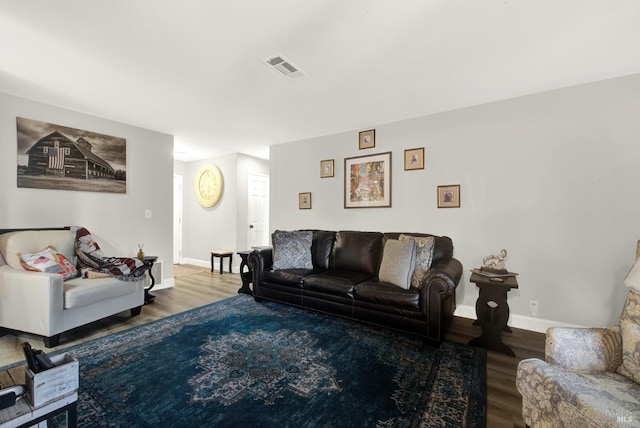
[(53, 383), (495, 261)]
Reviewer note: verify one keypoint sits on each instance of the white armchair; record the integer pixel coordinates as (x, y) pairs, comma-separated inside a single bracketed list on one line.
[(42, 303)]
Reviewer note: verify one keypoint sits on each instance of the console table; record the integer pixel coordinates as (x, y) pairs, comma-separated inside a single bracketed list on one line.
[(492, 311), (23, 414)]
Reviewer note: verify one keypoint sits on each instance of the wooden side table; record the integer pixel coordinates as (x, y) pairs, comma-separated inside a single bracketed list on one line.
[(492, 310), (222, 254)]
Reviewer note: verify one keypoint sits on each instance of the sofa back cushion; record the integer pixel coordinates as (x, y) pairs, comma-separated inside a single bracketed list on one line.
[(358, 251), (321, 248), (32, 241)]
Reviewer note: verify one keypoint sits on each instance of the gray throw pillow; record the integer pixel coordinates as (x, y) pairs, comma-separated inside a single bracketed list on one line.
[(424, 257), (398, 263), (292, 250)]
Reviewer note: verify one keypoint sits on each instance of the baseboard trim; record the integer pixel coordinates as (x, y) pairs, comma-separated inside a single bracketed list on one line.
[(235, 264), (196, 262), (167, 283), (524, 322)]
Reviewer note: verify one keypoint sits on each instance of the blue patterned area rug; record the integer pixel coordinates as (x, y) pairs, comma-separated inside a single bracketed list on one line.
[(245, 364)]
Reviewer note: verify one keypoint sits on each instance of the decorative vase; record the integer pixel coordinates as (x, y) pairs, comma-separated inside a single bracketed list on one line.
[(140, 252)]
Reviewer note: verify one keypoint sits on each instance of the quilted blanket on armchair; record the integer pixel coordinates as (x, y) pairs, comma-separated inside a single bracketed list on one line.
[(91, 259)]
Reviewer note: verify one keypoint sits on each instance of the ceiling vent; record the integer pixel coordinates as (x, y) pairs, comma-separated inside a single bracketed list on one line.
[(284, 66)]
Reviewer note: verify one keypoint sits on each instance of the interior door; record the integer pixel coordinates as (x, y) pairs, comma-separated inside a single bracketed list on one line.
[(177, 218), (258, 211)]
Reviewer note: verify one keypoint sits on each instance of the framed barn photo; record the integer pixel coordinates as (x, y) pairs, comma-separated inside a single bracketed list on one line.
[(326, 168), (58, 157), (367, 181), (414, 159), (367, 139), (449, 196), (304, 201)]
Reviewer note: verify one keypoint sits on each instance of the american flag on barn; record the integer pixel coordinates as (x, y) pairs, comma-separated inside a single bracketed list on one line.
[(56, 158)]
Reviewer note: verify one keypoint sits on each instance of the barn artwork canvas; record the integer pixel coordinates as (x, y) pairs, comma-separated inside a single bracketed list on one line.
[(58, 157)]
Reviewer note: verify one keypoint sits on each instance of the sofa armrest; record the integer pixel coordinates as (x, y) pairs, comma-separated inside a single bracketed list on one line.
[(587, 349), (258, 261), (445, 275), (31, 301), (437, 296)]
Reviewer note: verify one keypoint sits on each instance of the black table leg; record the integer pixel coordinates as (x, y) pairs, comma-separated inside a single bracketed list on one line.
[(148, 297)]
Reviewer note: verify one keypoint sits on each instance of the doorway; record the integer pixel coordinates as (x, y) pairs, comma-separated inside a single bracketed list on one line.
[(258, 211)]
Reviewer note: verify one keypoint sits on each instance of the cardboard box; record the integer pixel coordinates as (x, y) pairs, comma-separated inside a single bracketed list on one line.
[(54, 383)]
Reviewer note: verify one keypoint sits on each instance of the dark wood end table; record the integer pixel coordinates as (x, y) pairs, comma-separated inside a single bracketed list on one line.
[(492, 311), (246, 276), (149, 261)]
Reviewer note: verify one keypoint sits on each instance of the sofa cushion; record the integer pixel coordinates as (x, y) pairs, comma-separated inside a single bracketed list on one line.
[(340, 283), (286, 276), (292, 249), (387, 294), (424, 257), (81, 292), (398, 263), (32, 241), (321, 248), (357, 251), (630, 332), (574, 398)]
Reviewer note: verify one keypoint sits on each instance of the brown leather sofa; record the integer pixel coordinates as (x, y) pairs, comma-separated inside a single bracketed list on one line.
[(344, 281)]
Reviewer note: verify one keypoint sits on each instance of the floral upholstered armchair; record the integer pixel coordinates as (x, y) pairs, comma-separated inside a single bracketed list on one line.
[(590, 376)]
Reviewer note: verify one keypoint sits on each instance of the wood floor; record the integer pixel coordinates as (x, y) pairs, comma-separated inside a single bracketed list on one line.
[(198, 289)]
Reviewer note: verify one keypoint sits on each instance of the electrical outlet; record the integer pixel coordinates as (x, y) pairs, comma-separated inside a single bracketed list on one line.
[(533, 305)]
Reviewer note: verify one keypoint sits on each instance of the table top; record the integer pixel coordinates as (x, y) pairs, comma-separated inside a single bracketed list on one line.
[(507, 282)]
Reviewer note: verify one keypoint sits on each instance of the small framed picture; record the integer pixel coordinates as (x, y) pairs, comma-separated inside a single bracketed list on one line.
[(449, 196), (326, 168), (414, 159), (367, 139), (304, 201)]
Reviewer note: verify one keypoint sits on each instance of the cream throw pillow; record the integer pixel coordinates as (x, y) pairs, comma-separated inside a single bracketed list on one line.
[(398, 263)]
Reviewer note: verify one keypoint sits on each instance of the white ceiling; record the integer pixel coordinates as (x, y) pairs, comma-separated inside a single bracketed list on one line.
[(193, 68)]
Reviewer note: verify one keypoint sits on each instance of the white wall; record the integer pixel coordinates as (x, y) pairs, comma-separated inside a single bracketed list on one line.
[(223, 226), (117, 221), (551, 177)]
